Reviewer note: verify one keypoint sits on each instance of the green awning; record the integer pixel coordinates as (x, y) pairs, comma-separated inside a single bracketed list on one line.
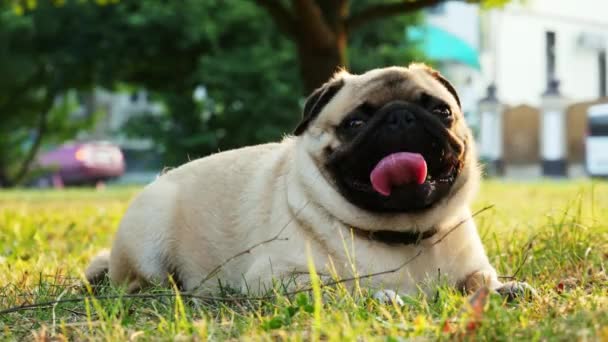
[(441, 45)]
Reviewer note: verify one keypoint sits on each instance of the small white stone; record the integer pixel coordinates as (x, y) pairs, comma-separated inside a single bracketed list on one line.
[(388, 296)]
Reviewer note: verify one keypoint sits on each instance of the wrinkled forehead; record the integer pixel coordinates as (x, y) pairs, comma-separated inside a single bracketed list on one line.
[(380, 86)]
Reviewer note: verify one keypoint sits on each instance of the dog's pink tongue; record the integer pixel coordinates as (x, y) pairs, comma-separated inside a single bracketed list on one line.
[(398, 169)]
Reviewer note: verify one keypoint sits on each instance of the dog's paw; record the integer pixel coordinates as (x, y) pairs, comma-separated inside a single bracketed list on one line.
[(516, 290), (388, 296)]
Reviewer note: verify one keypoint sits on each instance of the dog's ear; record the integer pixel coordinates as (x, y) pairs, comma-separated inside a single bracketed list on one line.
[(437, 75), (316, 101), (447, 86)]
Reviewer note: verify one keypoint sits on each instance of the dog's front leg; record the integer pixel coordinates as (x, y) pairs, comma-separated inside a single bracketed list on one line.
[(509, 290)]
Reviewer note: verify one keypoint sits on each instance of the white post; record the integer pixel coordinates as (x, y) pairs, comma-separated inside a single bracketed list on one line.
[(491, 139), (553, 133)]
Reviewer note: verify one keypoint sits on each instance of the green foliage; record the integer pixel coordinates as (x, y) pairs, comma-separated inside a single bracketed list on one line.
[(232, 48), (556, 238), (250, 75), (250, 72), (286, 315), (35, 74), (383, 43)]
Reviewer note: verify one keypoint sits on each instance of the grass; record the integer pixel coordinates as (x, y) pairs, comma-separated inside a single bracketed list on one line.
[(553, 234)]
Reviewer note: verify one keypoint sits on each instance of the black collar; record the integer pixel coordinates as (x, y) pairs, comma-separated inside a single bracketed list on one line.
[(395, 238)]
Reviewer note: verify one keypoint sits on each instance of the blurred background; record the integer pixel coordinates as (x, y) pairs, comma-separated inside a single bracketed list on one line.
[(116, 90)]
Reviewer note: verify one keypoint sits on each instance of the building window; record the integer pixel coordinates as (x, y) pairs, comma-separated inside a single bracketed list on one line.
[(550, 55)]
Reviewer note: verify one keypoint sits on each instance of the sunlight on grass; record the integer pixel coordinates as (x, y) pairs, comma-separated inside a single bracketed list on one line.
[(554, 235)]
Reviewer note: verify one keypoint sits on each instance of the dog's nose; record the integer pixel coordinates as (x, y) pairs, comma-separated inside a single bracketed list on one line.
[(400, 119)]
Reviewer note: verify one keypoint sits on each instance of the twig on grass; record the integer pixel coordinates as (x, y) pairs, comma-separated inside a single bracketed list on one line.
[(248, 250), (75, 312), (57, 301), (529, 246), (406, 262), (238, 299)]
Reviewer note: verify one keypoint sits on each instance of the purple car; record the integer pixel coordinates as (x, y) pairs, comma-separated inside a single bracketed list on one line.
[(80, 164)]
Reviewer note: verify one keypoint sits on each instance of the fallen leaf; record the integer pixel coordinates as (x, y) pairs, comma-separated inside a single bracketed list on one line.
[(472, 312), (559, 288), (566, 284), (477, 305)]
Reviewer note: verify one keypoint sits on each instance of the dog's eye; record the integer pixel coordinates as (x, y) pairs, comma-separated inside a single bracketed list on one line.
[(443, 112), (355, 123), (351, 126)]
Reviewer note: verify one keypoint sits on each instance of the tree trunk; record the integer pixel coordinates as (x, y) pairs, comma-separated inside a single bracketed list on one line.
[(31, 155), (319, 63), (11, 181), (3, 178), (320, 30), (321, 39)]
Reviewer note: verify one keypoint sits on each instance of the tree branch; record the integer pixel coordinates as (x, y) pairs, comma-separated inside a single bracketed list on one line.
[(40, 132), (313, 23), (379, 11), (282, 17), (12, 100)]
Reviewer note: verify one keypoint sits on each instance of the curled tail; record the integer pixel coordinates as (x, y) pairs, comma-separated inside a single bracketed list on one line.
[(98, 267)]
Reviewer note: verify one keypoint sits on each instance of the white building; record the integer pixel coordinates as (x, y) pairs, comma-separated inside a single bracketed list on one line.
[(524, 49), (525, 44), (522, 45)]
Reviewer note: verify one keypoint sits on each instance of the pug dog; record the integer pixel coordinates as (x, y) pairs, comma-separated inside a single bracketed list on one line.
[(380, 168)]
